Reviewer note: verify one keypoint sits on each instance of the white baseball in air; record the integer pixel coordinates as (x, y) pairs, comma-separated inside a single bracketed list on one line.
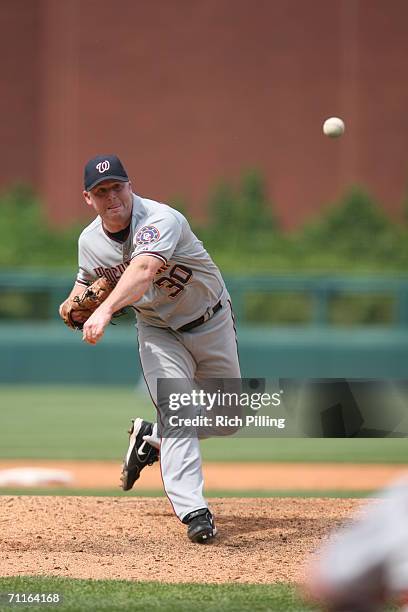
[(334, 127)]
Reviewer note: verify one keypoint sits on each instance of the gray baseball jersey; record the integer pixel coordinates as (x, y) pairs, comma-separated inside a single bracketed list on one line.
[(185, 286)]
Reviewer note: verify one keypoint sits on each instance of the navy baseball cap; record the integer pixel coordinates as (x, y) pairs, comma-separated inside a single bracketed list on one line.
[(102, 168)]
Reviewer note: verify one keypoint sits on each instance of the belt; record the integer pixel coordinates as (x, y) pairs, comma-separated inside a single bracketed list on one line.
[(201, 320)]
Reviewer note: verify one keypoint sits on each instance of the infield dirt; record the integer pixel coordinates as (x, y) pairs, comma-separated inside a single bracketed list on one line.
[(259, 541), (231, 476)]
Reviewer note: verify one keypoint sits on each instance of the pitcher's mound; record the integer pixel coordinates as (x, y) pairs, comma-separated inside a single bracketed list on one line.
[(259, 541)]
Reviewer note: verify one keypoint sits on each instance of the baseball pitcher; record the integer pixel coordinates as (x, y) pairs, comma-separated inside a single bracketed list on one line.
[(143, 254)]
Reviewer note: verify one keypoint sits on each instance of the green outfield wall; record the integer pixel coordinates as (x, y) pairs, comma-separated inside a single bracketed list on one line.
[(39, 348), (50, 353)]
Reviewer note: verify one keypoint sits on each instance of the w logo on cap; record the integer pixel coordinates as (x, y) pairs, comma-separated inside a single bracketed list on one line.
[(103, 166)]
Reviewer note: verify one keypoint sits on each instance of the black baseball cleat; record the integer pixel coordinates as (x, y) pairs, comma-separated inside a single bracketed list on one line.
[(140, 453), (201, 526)]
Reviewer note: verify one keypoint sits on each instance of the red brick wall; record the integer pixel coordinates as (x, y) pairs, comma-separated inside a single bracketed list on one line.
[(188, 92), (19, 61)]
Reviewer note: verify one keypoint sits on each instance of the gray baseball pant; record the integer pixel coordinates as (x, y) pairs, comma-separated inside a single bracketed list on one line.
[(207, 351)]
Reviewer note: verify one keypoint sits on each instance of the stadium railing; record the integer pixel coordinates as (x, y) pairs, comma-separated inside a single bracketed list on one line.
[(53, 287)]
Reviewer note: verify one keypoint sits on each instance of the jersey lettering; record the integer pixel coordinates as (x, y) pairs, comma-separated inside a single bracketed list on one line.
[(113, 274), (162, 269), (178, 277)]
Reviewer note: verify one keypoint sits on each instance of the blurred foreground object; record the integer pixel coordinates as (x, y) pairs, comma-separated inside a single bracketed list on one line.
[(34, 477), (364, 565)]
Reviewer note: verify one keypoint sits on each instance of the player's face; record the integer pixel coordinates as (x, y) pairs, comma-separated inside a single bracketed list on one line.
[(112, 200)]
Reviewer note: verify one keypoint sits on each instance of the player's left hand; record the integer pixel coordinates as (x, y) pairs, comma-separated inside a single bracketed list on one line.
[(95, 326)]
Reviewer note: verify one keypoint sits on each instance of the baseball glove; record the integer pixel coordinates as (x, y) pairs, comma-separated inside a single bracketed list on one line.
[(76, 310)]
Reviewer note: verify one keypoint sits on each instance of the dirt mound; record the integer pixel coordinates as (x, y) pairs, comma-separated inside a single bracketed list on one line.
[(260, 540)]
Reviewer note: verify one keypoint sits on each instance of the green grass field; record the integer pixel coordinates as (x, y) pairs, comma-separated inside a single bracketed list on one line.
[(119, 595), (114, 595), (41, 422), (137, 492)]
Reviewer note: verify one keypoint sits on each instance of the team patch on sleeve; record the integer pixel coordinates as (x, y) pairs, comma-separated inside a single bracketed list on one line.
[(147, 235)]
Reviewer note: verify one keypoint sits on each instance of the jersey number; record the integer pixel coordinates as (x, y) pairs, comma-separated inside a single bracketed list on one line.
[(176, 280)]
